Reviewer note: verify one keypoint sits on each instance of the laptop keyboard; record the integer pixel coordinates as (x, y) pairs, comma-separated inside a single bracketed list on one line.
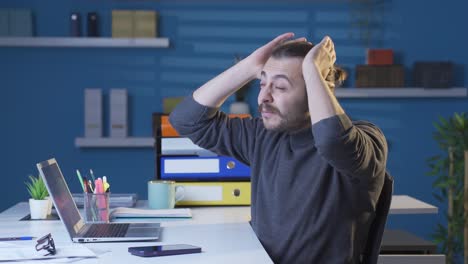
[(107, 230)]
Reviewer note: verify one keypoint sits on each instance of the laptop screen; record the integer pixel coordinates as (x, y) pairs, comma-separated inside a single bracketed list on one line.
[(61, 196)]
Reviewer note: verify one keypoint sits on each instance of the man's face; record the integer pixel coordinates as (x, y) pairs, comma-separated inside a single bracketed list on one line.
[(282, 99)]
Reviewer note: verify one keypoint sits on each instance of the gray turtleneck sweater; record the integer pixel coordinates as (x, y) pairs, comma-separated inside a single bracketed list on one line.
[(314, 192)]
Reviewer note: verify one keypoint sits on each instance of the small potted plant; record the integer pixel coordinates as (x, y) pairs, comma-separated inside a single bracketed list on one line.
[(39, 202)]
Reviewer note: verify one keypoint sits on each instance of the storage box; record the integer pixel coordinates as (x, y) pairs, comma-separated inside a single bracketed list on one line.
[(20, 22), (379, 57), (4, 23), (134, 24), (122, 23), (16, 22), (437, 74), (145, 24), (379, 76)]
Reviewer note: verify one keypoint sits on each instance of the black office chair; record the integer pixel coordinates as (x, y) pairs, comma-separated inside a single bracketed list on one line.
[(372, 249)]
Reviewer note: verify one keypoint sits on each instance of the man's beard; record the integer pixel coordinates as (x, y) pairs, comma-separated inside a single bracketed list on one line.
[(288, 122)]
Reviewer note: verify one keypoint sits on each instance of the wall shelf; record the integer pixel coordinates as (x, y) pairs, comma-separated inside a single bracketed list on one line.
[(406, 92), (403, 92), (82, 42), (107, 142)]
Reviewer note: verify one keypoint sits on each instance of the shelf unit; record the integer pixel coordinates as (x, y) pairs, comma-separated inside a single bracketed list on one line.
[(129, 142), (83, 42), (403, 92), (148, 142)]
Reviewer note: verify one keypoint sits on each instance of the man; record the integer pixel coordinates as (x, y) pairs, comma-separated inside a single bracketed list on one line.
[(316, 176)]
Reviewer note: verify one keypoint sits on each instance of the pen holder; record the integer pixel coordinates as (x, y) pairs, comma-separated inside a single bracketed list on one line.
[(96, 207)]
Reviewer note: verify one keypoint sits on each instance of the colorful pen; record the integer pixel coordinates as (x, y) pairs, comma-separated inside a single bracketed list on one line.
[(92, 174), (16, 238), (81, 180), (106, 184), (86, 185), (90, 185)]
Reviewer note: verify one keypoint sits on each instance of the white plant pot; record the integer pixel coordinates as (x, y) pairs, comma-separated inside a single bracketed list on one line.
[(49, 209), (39, 208), (239, 108)]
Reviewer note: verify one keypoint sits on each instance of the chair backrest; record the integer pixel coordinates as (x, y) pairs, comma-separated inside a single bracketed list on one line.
[(372, 249)]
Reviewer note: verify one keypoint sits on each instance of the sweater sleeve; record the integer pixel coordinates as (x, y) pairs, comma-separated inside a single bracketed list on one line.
[(213, 130), (358, 149)]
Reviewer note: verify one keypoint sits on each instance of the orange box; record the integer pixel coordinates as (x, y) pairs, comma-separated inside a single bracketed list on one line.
[(379, 57)]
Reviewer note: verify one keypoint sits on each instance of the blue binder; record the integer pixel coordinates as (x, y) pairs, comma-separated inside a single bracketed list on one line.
[(203, 168)]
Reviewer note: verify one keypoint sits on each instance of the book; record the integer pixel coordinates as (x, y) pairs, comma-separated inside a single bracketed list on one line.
[(125, 212)]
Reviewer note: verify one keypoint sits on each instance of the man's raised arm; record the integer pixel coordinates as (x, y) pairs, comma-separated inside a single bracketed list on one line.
[(217, 90)]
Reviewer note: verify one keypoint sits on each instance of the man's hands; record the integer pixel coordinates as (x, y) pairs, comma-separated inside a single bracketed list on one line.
[(217, 90), (321, 57), (315, 68), (260, 56)]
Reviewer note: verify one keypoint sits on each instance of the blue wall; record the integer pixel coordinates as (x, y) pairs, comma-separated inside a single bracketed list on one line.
[(42, 88)]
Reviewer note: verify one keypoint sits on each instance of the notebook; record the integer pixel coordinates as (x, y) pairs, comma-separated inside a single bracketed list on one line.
[(80, 231)]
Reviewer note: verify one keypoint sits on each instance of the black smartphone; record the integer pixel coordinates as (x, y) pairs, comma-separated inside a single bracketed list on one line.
[(164, 250)]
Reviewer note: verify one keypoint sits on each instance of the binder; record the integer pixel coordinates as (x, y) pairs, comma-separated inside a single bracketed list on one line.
[(203, 169), (183, 147), (118, 113), (93, 113), (215, 193), (227, 185)]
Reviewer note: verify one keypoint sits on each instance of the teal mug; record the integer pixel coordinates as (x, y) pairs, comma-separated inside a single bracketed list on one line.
[(164, 194)]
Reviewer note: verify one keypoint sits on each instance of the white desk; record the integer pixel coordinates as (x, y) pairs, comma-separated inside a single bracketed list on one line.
[(223, 233), (404, 204), (230, 242)]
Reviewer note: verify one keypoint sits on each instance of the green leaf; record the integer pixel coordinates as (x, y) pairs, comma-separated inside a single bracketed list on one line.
[(36, 188)]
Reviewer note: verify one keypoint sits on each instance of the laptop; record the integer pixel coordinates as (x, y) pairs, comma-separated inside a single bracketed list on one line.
[(80, 231)]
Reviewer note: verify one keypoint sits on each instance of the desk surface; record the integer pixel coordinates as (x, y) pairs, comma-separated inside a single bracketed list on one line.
[(404, 204), (229, 242), (223, 233)]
